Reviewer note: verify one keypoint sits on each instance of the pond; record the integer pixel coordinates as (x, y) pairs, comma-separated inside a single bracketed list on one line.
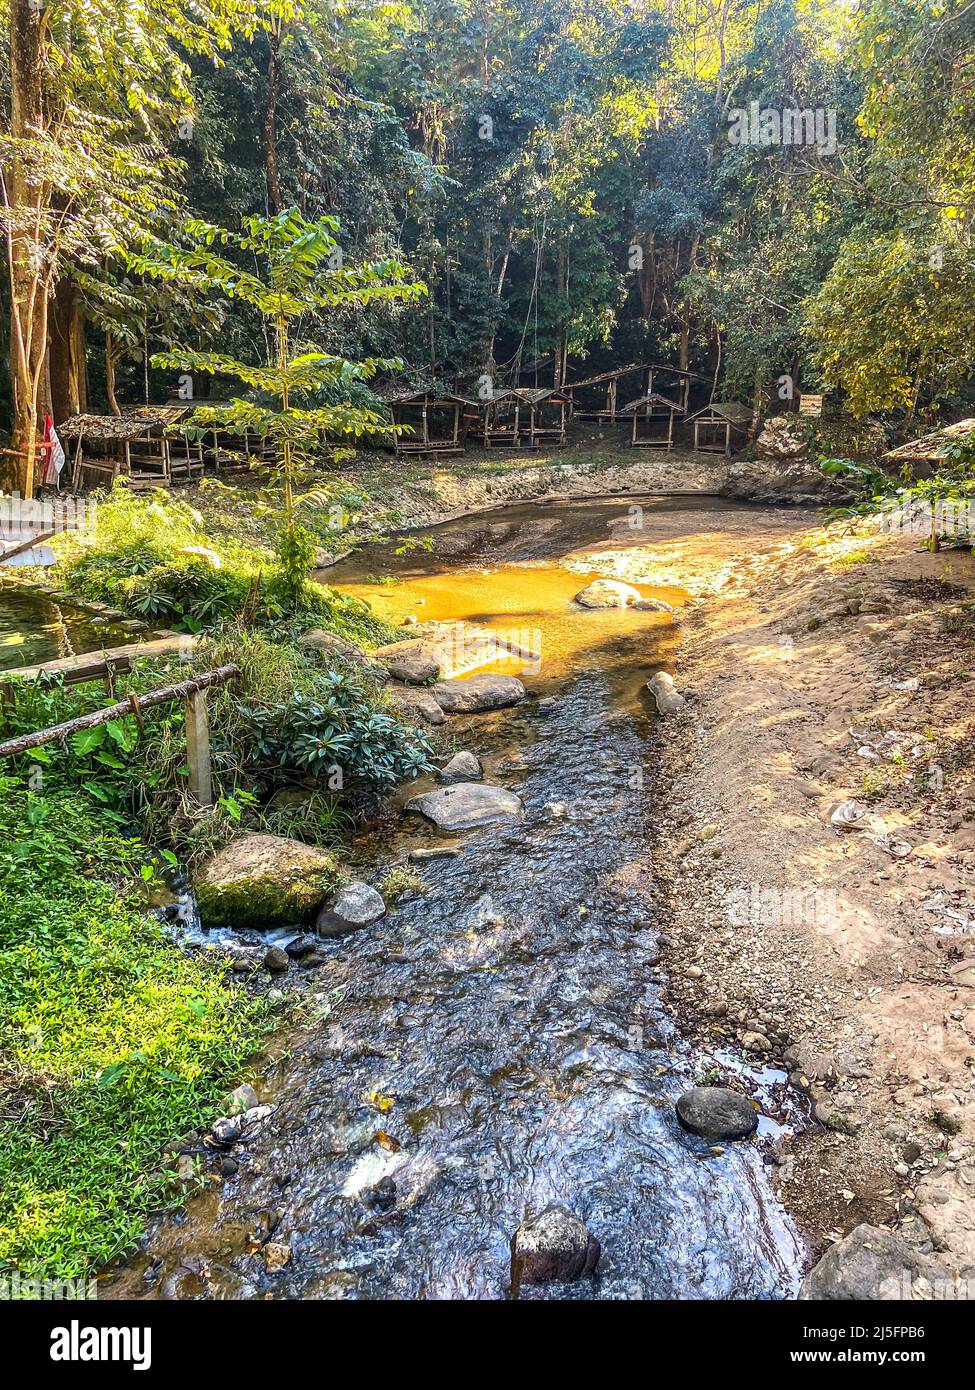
[(35, 628)]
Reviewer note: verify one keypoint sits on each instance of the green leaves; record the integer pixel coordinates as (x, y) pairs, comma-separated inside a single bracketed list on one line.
[(300, 272), (301, 260), (892, 329), (102, 741)]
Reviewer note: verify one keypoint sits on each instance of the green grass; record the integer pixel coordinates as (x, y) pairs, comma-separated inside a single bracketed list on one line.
[(113, 1041)]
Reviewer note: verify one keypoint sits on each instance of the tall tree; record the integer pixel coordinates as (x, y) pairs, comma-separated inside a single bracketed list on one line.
[(92, 99)]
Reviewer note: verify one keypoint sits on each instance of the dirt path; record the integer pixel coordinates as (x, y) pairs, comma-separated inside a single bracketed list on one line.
[(819, 671)]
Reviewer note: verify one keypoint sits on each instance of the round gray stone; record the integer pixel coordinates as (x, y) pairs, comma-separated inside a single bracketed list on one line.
[(467, 805), (716, 1112), (553, 1246), (355, 906)]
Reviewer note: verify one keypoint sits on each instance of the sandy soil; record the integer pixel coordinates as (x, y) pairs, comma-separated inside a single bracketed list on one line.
[(821, 668)]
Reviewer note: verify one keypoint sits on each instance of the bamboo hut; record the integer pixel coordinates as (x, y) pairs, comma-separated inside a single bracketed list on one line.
[(524, 418), (436, 424), (529, 373), (653, 417), (716, 425), (597, 397), (141, 445), (230, 447)]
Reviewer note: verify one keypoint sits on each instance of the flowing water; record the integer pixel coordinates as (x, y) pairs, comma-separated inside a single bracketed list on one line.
[(498, 1042)]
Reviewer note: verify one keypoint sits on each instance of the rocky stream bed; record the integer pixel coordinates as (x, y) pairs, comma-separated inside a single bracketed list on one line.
[(484, 1094)]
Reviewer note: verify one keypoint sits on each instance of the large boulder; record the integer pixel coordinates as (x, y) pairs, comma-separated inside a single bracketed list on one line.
[(717, 1113), (467, 805), (608, 593), (414, 662), (355, 906), (470, 694), (319, 639), (463, 767), (799, 481), (553, 1246), (783, 437), (868, 1265), (263, 881)]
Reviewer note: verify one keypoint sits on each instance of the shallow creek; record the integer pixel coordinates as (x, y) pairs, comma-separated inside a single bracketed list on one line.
[(499, 1042)]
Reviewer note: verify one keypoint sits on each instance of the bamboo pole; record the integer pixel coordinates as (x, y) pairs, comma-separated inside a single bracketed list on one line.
[(180, 691), (21, 546)]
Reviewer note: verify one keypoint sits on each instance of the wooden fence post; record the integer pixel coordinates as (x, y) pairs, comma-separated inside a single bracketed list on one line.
[(198, 748)]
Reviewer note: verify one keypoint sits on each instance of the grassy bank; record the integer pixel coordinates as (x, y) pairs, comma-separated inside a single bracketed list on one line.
[(113, 1041)]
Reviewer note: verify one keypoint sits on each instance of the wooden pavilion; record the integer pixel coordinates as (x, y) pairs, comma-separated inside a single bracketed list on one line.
[(597, 397), (717, 424), (435, 423), (525, 418), (141, 445), (653, 417)]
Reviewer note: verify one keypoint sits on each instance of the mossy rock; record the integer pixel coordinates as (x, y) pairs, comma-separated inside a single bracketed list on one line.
[(264, 881)]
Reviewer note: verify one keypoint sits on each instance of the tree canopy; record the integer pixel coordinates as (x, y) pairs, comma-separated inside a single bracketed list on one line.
[(745, 190)]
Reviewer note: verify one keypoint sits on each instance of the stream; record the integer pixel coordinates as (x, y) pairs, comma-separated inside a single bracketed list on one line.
[(498, 1041)]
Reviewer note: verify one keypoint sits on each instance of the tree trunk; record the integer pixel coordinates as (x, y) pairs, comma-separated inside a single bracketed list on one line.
[(271, 169), (561, 291), (66, 345), (110, 375), (758, 402), (29, 286), (685, 326), (648, 277)]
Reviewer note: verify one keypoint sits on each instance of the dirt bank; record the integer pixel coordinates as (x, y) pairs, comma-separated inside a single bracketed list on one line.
[(823, 669), (391, 494)]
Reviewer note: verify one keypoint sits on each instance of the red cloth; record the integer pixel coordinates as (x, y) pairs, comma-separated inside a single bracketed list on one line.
[(53, 454)]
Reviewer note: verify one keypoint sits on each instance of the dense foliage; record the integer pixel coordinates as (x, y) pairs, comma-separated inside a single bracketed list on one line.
[(581, 182), (155, 559)]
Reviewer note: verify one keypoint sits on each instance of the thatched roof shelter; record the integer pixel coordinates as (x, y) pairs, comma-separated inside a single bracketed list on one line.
[(525, 417), (137, 445), (429, 421), (649, 413), (715, 423), (104, 428)]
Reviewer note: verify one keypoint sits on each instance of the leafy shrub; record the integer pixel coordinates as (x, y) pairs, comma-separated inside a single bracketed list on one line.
[(150, 556), (336, 729), (294, 716)]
